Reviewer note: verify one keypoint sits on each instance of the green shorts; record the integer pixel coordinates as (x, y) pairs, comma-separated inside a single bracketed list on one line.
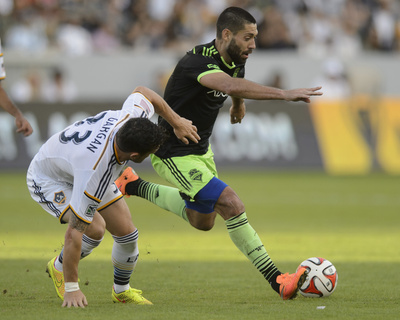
[(187, 173)]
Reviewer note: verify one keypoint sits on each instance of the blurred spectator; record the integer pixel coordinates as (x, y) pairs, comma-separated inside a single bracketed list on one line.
[(318, 31), (27, 89), (210, 11), (27, 33), (73, 39), (187, 24), (59, 88), (160, 10), (104, 39), (385, 27), (273, 32), (346, 42), (138, 25), (334, 80)]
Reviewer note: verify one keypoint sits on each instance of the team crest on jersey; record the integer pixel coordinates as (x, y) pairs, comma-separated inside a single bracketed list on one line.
[(195, 174), (90, 210), (59, 197)]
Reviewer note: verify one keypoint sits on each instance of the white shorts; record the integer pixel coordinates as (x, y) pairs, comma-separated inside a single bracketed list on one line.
[(54, 196)]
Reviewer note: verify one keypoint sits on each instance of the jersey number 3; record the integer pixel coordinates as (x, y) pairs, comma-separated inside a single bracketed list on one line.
[(74, 137)]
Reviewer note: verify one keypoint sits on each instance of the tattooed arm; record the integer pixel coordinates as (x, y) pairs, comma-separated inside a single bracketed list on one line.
[(72, 254)]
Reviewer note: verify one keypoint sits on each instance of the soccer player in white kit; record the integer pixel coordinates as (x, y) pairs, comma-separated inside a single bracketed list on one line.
[(72, 178), (22, 124)]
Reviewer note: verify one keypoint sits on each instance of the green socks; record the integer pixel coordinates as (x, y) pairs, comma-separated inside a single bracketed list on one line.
[(165, 197), (247, 240)]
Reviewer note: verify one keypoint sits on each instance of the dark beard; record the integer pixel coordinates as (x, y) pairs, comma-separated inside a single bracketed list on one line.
[(234, 52)]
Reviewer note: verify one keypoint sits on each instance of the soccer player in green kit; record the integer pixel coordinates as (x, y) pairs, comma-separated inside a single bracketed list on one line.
[(197, 89)]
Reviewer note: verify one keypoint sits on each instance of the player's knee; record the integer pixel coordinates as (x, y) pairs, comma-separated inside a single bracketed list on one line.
[(97, 228), (97, 233), (201, 221), (229, 204), (203, 226)]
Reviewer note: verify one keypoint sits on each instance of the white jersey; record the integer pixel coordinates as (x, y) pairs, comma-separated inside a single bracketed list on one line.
[(84, 157), (2, 69)]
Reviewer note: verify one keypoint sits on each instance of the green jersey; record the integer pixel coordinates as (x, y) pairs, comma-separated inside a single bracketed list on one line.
[(191, 100)]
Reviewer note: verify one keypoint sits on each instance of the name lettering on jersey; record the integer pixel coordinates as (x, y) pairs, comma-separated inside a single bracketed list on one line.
[(217, 94), (102, 135)]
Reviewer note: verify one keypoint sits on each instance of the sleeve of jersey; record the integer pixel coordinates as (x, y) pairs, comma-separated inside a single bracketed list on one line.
[(138, 106), (87, 194), (199, 66)]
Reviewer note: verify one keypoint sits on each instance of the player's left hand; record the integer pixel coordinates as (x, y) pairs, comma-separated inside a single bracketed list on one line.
[(237, 113), (185, 130)]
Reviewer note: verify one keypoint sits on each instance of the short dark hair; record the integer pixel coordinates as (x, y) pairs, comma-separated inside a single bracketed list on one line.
[(140, 135), (234, 19)]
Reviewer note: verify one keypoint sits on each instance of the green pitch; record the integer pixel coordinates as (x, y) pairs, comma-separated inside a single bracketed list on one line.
[(188, 274)]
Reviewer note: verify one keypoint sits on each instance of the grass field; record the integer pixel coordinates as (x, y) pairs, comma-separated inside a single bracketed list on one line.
[(352, 221)]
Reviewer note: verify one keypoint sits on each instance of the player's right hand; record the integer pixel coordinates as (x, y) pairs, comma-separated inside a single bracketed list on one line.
[(23, 126), (185, 130), (74, 299)]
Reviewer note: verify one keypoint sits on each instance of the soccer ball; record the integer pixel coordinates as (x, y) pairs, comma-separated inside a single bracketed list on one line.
[(321, 280)]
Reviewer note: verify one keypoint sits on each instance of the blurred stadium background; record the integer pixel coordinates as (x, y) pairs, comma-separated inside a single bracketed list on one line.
[(69, 59)]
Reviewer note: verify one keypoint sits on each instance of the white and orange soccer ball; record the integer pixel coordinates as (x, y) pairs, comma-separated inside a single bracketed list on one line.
[(321, 280)]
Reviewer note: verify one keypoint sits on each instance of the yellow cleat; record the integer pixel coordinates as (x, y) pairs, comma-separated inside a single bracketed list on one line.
[(290, 283), (129, 296), (57, 277)]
